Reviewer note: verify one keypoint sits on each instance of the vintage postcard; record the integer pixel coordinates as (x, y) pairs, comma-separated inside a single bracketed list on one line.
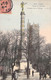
[(25, 39)]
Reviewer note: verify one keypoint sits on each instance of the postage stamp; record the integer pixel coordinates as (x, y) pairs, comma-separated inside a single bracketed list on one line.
[(6, 6)]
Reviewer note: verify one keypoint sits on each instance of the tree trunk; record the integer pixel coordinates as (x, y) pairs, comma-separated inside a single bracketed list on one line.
[(27, 68), (50, 70)]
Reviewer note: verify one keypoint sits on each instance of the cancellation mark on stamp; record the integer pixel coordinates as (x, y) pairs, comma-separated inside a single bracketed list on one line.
[(6, 6)]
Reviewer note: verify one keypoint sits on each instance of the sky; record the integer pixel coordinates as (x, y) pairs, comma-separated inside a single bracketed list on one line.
[(36, 11)]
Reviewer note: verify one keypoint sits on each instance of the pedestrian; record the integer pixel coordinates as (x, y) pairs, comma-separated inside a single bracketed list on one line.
[(16, 74), (45, 75), (13, 76), (32, 73), (40, 75)]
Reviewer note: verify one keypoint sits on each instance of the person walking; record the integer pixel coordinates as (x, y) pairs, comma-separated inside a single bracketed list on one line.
[(16, 75), (13, 76), (45, 75), (40, 75), (32, 73)]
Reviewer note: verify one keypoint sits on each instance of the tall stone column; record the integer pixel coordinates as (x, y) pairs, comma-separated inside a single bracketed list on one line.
[(22, 26), (22, 21)]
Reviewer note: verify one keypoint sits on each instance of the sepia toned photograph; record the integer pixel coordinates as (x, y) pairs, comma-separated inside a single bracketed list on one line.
[(25, 39)]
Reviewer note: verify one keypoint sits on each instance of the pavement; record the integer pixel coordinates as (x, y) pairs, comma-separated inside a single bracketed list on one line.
[(24, 77)]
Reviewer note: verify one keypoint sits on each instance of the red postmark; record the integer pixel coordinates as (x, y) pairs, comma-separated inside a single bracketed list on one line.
[(6, 6)]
